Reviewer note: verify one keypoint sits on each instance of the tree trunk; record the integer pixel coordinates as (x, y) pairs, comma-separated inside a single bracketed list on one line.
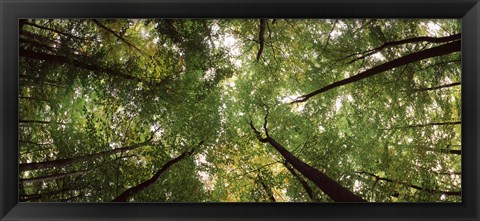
[(52, 177), (448, 193), (68, 161), (405, 41), (67, 174), (261, 38), (413, 57), (438, 87), (53, 30), (304, 183), (334, 190), (134, 190), (39, 122), (77, 63), (425, 125)]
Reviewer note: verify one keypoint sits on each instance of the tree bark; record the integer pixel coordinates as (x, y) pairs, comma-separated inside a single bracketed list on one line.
[(68, 161), (261, 38), (63, 175), (413, 57), (426, 125), (116, 35), (39, 122), (406, 41), (334, 190), (268, 191), (52, 177), (53, 30), (304, 183), (123, 197), (448, 193), (72, 61), (439, 87), (30, 197)]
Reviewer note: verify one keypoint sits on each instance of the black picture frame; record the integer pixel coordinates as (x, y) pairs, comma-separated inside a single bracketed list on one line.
[(12, 10)]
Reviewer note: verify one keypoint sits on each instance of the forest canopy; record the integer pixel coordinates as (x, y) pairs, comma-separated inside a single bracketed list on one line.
[(239, 110)]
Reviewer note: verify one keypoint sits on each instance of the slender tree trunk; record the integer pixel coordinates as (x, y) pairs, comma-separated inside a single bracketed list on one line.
[(30, 197), (75, 62), (52, 177), (406, 41), (68, 174), (33, 98), (53, 30), (39, 38), (123, 197), (334, 190), (304, 183), (413, 57), (438, 87), (39, 122), (268, 191), (448, 151), (68, 161), (34, 143), (99, 24), (426, 125), (38, 45), (448, 193)]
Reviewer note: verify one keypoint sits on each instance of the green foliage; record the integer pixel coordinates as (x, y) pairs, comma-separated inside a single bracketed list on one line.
[(166, 85)]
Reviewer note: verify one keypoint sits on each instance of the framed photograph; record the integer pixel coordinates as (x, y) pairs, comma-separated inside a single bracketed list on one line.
[(239, 110)]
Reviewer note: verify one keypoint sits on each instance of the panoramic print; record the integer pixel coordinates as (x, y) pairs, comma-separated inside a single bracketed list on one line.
[(239, 110)]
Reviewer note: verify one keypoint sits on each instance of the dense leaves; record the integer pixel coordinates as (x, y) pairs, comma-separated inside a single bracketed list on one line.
[(265, 110)]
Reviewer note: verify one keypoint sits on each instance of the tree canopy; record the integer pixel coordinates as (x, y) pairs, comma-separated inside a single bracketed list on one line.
[(240, 110)]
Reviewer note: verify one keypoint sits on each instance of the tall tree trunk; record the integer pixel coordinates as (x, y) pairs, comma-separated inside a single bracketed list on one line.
[(406, 41), (68, 161), (448, 151), (39, 122), (426, 125), (99, 24), (334, 190), (438, 87), (266, 188), (53, 30), (304, 183), (67, 174), (33, 98), (75, 62), (413, 57), (30, 197), (448, 193), (52, 177), (261, 38), (123, 197)]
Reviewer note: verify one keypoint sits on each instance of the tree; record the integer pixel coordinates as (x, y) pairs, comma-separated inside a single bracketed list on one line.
[(109, 109)]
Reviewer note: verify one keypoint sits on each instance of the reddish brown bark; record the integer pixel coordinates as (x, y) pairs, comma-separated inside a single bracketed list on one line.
[(333, 189), (304, 183)]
